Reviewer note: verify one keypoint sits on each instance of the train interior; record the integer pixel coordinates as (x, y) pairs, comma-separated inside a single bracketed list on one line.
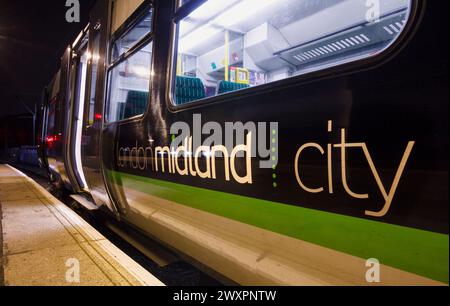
[(225, 46)]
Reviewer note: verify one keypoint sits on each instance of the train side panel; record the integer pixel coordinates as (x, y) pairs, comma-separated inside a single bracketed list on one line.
[(269, 229)]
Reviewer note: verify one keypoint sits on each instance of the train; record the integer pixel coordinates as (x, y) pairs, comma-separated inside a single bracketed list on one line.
[(288, 142)]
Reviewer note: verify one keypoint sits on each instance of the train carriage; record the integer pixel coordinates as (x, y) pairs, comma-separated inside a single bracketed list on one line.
[(293, 142)]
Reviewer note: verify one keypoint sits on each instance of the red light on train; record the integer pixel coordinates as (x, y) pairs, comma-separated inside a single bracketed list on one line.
[(98, 116), (50, 140)]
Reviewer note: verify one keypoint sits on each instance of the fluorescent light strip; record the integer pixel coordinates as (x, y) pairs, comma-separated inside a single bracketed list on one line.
[(242, 11), (197, 36), (235, 14), (211, 8)]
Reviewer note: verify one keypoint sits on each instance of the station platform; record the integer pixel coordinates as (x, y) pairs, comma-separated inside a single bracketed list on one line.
[(45, 243)]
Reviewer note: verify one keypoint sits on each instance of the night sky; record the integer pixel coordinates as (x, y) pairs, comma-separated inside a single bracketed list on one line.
[(33, 36)]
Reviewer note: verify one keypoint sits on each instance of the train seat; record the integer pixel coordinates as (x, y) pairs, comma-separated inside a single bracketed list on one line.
[(225, 87), (189, 89), (136, 104)]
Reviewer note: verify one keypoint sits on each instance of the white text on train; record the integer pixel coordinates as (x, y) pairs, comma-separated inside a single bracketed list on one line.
[(343, 147)]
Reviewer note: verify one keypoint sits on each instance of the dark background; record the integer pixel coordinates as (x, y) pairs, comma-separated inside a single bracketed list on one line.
[(33, 35)]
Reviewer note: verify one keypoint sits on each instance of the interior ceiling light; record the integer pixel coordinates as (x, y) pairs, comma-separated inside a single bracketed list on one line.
[(211, 8), (241, 11), (197, 36)]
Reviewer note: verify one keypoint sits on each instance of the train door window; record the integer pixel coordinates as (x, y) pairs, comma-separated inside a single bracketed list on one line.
[(122, 10), (227, 45), (51, 120), (53, 96), (130, 71), (94, 58), (125, 42)]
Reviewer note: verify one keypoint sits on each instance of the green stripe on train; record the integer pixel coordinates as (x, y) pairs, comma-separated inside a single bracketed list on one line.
[(420, 252)]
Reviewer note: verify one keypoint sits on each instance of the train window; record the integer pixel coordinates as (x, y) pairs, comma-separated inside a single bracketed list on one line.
[(228, 45), (132, 36), (130, 70), (122, 10), (129, 83)]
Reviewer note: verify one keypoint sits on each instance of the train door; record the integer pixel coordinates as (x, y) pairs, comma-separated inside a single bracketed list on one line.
[(128, 88), (78, 76), (65, 121), (93, 109), (51, 133), (42, 139)]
